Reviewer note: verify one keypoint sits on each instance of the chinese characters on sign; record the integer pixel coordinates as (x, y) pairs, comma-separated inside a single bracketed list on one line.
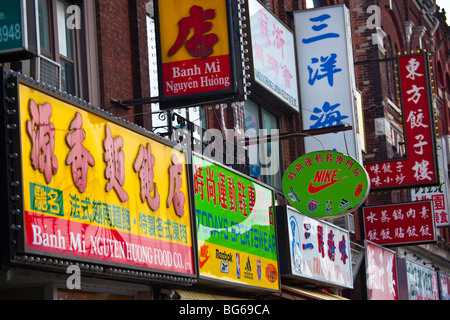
[(195, 52), (99, 191), (319, 251), (381, 273), (235, 227), (417, 282), (273, 55), (325, 74), (405, 223), (420, 166)]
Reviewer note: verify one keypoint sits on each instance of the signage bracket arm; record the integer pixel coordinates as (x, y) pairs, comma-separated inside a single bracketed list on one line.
[(296, 134)]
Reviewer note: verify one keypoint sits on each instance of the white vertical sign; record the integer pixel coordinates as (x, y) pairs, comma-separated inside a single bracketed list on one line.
[(326, 78)]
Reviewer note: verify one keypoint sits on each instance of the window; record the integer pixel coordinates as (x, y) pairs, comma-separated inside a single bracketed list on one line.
[(264, 157), (57, 40)]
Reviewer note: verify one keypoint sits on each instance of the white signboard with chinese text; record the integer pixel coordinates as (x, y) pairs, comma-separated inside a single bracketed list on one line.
[(273, 55), (381, 273), (319, 251), (326, 78), (439, 194)]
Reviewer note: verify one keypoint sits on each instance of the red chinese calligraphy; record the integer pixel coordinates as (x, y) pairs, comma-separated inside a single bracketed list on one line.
[(144, 163), (198, 182), (200, 44), (115, 162), (175, 194), (263, 22), (78, 157), (419, 168), (222, 190), (232, 194), (42, 134), (287, 76), (251, 197)]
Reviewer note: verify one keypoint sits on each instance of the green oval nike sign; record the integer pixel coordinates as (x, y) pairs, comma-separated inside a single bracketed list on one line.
[(326, 184)]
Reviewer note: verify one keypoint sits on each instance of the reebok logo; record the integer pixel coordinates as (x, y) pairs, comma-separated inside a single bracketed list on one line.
[(326, 178)]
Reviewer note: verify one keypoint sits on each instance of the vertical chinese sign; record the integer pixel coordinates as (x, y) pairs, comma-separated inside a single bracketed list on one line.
[(316, 250), (401, 223), (273, 52), (439, 194), (381, 273), (326, 78), (196, 52), (420, 166), (235, 227), (97, 190)]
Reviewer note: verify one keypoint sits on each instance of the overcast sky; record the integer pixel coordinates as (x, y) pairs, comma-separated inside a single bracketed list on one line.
[(446, 5)]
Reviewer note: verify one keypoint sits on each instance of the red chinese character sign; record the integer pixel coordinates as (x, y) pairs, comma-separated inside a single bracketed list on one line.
[(420, 166), (236, 236), (196, 52), (315, 250), (400, 224)]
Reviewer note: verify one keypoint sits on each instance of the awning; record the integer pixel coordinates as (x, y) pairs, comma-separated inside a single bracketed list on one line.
[(314, 294), (192, 295)]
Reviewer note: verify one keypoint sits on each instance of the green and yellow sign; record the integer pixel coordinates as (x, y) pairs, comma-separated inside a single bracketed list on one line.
[(326, 184), (235, 227)]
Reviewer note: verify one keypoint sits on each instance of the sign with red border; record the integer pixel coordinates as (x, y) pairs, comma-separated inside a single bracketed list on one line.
[(420, 167), (401, 223)]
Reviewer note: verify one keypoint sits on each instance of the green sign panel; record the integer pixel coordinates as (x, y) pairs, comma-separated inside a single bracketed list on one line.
[(11, 26), (326, 184)]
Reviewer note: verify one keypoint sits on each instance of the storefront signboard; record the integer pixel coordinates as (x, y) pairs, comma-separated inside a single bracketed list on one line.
[(325, 184), (198, 59), (400, 223), (381, 273), (101, 190), (315, 251), (439, 194), (326, 78), (235, 227), (273, 51), (417, 282), (419, 168)]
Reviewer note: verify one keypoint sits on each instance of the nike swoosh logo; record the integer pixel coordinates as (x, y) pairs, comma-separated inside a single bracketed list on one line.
[(202, 262), (316, 189)]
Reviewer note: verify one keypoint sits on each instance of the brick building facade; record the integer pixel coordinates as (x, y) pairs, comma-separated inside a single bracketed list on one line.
[(113, 71)]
